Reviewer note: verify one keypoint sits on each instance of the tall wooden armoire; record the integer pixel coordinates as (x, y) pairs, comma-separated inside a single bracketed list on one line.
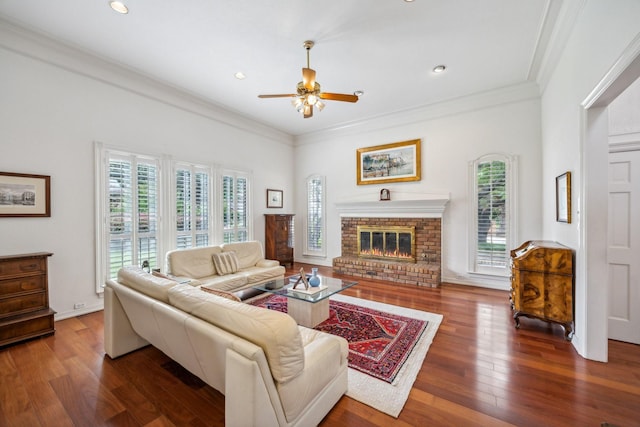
[(279, 237), (542, 283)]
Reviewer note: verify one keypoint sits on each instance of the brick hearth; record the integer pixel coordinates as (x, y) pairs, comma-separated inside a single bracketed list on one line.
[(425, 272)]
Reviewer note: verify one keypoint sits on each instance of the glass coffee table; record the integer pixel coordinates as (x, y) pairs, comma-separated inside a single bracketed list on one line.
[(308, 307)]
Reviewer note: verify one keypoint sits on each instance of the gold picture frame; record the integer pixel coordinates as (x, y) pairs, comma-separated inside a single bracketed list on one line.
[(395, 162), (563, 198), (25, 195)]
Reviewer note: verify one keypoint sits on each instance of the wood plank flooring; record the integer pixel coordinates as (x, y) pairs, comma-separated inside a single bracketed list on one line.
[(479, 371)]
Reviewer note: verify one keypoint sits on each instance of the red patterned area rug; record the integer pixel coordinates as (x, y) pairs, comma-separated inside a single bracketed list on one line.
[(387, 345), (379, 342)]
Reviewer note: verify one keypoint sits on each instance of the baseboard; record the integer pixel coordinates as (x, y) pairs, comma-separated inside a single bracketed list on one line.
[(502, 284), (73, 313)]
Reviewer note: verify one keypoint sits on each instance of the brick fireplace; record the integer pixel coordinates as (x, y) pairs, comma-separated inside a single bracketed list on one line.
[(424, 217)]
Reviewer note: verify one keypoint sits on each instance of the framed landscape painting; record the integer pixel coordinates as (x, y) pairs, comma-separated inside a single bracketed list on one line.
[(24, 195), (396, 162)]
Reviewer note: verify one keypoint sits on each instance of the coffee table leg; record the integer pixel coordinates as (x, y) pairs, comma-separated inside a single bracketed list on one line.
[(308, 314)]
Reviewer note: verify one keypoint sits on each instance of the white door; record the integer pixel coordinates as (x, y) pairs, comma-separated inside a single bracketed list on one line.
[(624, 246)]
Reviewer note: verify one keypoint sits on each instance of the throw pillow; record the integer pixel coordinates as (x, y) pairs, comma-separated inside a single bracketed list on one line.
[(225, 262), (221, 293)]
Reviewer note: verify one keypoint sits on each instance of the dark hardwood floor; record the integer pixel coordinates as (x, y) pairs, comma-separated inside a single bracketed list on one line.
[(479, 371)]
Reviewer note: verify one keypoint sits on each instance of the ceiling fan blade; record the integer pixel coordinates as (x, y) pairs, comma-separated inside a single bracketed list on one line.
[(309, 78), (282, 95), (308, 111), (338, 97)]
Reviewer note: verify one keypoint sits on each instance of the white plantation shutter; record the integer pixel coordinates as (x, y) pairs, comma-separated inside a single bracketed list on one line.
[(315, 216), (235, 207), (132, 212), (192, 202), (493, 214)]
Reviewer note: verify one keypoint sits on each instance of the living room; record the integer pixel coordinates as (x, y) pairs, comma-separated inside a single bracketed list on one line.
[(58, 103)]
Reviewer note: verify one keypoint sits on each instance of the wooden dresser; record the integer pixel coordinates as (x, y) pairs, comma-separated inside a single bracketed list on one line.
[(24, 297), (279, 237), (542, 283)]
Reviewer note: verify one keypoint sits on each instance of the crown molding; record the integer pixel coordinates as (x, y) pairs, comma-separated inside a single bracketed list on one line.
[(34, 45), (505, 95), (562, 28)]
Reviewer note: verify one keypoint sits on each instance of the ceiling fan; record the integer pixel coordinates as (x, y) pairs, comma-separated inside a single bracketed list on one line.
[(308, 91)]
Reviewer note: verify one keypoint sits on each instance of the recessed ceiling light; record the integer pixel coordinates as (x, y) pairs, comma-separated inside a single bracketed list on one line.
[(358, 93), (439, 69), (119, 7), (240, 75)]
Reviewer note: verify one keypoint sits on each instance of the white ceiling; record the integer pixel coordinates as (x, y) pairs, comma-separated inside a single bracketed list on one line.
[(387, 48)]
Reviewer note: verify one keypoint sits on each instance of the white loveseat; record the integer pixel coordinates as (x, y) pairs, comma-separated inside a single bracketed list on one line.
[(271, 371), (229, 267)]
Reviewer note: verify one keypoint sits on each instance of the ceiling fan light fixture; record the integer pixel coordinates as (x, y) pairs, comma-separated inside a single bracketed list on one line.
[(119, 7), (320, 105)]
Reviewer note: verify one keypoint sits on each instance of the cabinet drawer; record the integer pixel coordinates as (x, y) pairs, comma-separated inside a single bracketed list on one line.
[(22, 304), (22, 284), (17, 267), (19, 328)]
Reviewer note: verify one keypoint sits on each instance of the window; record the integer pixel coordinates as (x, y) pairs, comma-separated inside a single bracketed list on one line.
[(192, 206), (493, 214), (235, 207), (129, 207), (315, 244)]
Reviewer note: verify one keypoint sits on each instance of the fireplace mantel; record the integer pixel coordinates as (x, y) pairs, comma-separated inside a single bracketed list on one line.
[(416, 208)]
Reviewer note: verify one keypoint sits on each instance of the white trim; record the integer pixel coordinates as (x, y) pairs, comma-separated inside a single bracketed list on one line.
[(28, 43), (511, 172), (423, 208), (627, 142), (322, 253), (475, 102), (620, 76)]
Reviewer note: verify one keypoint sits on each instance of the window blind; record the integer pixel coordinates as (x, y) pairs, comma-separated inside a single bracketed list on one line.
[(492, 220)]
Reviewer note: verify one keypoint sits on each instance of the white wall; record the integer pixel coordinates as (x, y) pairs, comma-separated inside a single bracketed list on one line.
[(50, 117), (452, 136), (574, 141)]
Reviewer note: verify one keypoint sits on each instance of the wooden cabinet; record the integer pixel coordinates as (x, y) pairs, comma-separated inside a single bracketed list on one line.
[(24, 297), (542, 283), (278, 238)]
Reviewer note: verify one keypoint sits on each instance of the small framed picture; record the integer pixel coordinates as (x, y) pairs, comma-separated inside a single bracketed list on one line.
[(563, 198), (25, 195), (274, 198), (385, 194)]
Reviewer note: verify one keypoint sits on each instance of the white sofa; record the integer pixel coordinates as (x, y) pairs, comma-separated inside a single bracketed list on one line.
[(271, 371), (248, 268)]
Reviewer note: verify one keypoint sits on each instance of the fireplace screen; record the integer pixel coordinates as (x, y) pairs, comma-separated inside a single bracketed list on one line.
[(390, 243)]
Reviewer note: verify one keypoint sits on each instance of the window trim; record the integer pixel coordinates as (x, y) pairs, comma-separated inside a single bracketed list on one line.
[(102, 155), (511, 176), (220, 200), (193, 168), (322, 253)]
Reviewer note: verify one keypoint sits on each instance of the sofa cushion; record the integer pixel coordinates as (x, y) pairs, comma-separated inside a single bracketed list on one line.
[(257, 274), (192, 262), (225, 263), (276, 333), (248, 253), (155, 287), (221, 293)]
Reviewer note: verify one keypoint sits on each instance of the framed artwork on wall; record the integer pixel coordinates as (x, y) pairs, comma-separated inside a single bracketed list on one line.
[(395, 162), (274, 198), (563, 198), (25, 195)]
